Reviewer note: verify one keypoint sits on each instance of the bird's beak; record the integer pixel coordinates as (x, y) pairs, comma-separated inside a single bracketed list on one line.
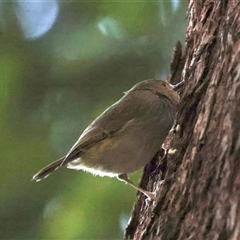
[(178, 85)]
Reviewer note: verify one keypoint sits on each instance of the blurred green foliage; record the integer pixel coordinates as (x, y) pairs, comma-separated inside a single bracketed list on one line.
[(61, 64)]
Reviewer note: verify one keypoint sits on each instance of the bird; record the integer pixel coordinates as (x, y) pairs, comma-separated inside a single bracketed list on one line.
[(126, 136)]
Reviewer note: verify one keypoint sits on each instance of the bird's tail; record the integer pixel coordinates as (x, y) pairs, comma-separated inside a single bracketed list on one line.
[(43, 173)]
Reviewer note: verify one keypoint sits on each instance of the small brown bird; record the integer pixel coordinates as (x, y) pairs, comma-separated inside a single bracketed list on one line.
[(125, 136)]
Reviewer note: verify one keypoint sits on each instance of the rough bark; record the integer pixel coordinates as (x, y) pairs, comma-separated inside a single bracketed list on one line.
[(200, 197)]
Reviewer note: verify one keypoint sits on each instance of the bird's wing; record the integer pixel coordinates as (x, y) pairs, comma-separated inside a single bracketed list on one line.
[(116, 118)]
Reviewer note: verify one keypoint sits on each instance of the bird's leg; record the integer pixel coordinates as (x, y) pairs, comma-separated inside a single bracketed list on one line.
[(124, 177)]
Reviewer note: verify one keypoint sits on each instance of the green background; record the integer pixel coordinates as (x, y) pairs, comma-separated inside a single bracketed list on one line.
[(52, 86)]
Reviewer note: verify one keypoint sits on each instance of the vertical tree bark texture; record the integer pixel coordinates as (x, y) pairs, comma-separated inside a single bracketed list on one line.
[(200, 198)]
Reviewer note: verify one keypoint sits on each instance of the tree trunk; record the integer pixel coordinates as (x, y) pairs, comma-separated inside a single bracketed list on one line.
[(200, 196)]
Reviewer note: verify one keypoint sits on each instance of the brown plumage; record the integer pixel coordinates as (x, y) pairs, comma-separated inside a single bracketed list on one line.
[(124, 137)]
